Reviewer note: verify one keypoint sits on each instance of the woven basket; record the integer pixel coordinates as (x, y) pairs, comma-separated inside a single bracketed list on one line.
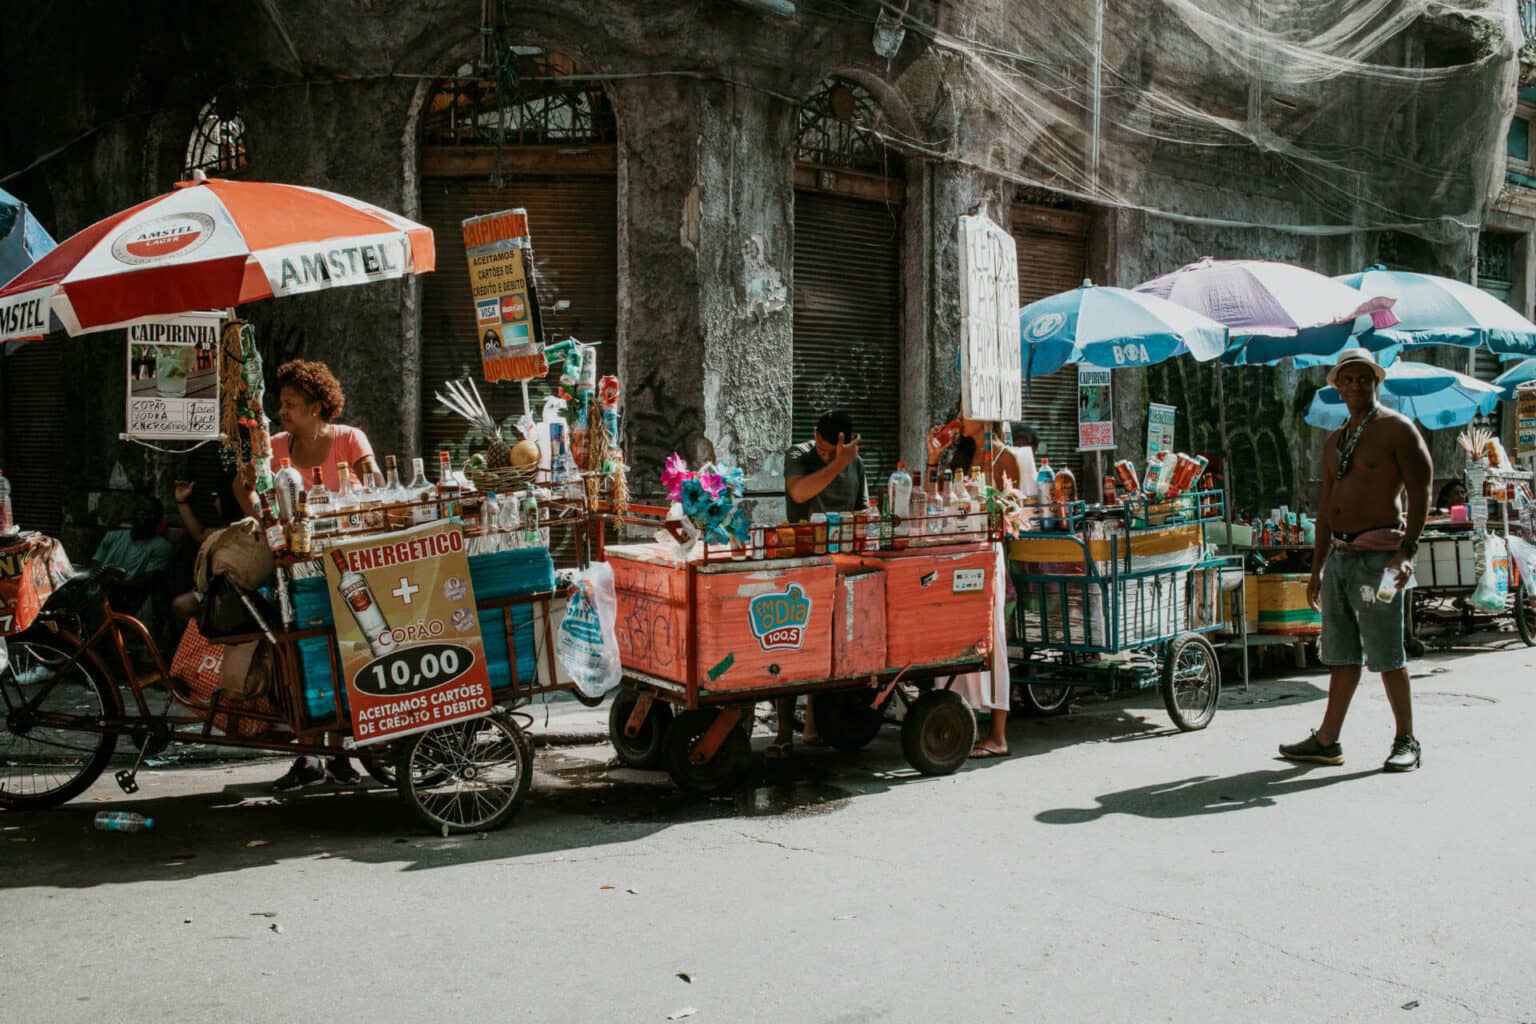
[(503, 481)]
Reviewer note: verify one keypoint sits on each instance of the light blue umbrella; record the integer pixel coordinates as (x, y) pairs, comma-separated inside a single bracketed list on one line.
[(1432, 395), (1112, 328), (22, 238), (1515, 376), (1441, 311)]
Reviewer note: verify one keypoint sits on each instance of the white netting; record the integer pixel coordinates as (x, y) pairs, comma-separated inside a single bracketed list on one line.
[(1356, 113)]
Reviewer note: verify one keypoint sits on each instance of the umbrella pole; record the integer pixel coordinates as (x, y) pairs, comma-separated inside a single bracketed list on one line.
[(1226, 453)]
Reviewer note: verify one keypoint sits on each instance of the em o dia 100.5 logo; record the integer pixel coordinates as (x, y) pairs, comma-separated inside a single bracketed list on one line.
[(778, 620)]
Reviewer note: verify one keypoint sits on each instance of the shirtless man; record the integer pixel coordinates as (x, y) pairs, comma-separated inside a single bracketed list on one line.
[(1370, 465)]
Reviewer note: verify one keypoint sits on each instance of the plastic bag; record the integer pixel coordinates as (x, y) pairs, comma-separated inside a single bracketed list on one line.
[(588, 645), (1522, 554), (1493, 586)]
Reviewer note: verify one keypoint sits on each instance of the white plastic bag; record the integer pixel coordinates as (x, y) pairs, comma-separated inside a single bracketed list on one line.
[(587, 644), (1493, 587), (1523, 554)]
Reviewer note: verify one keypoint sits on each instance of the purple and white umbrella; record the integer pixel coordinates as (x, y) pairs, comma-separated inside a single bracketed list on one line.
[(1273, 310)]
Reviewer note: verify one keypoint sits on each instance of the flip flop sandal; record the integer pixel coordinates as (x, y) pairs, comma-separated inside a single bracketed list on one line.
[(982, 753)]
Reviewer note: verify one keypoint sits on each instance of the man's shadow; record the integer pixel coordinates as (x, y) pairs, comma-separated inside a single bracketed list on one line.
[(1203, 794)]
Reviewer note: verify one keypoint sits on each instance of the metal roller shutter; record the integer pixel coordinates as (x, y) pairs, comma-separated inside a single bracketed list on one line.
[(574, 223), (34, 434), (847, 321), (1053, 257)]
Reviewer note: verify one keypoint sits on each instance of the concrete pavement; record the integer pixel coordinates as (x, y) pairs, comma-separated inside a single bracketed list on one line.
[(1111, 869)]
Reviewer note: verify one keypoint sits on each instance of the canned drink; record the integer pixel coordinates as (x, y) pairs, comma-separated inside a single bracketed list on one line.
[(834, 532), (759, 543), (1125, 470)]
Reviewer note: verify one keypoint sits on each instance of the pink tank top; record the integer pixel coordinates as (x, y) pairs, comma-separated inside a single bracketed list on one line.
[(348, 444)]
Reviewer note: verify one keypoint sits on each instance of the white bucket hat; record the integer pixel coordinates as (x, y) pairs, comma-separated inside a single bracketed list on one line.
[(1355, 355)]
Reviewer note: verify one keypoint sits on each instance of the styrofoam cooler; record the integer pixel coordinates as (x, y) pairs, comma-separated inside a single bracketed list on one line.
[(1446, 563)]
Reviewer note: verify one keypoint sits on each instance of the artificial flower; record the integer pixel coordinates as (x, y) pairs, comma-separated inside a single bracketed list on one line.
[(673, 475)]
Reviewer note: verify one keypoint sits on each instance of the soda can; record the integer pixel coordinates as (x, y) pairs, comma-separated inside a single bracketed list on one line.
[(1125, 470), (834, 532), (759, 542)]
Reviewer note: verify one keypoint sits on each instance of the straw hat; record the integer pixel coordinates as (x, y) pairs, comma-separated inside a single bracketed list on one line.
[(1355, 355)]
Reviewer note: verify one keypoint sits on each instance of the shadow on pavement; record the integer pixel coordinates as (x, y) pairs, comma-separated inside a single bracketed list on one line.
[(1205, 794)]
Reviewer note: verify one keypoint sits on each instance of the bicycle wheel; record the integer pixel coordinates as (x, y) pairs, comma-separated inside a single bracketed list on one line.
[(469, 776), (44, 765), (1191, 681)]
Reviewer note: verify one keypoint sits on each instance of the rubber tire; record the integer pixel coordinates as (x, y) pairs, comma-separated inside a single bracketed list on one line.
[(1525, 614), (938, 733), (111, 704), (1184, 720), (844, 719), (1033, 704), (408, 794), (648, 748), (723, 773)]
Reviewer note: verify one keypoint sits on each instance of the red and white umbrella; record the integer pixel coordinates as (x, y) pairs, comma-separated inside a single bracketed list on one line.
[(208, 245)]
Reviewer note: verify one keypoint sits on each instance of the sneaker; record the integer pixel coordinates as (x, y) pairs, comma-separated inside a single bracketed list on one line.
[(1405, 756), (303, 773), (1311, 750), (340, 771)]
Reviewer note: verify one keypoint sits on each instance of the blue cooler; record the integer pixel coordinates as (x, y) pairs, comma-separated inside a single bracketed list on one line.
[(514, 573)]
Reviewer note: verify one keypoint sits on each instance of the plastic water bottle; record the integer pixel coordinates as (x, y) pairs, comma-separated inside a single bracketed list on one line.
[(7, 520), (898, 492), (490, 513), (1045, 480), (122, 821)]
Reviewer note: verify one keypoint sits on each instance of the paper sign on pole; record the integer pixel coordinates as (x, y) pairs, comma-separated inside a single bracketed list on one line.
[(1160, 422), (407, 631), (991, 370), (1095, 410), (500, 255), (173, 378)]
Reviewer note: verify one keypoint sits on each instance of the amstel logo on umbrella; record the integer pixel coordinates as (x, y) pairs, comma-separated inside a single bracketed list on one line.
[(174, 235)]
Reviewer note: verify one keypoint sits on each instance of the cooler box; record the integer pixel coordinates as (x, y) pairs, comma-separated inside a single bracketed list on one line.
[(312, 608), (858, 624), (759, 624), (938, 604), (1283, 605), (1446, 563)]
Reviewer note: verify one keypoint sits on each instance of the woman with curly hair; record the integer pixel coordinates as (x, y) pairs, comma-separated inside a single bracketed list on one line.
[(309, 400)]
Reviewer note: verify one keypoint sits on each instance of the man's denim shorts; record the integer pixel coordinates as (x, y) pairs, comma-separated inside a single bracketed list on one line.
[(1354, 621)]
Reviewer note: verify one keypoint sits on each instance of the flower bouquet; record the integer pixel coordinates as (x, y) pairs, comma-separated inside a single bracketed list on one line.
[(704, 503)]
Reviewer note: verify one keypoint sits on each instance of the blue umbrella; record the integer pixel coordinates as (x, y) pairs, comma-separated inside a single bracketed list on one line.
[(1515, 376), (1113, 328), (1442, 311), (22, 238), (1432, 395)]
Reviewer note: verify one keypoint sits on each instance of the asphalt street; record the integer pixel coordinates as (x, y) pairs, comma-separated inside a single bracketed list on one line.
[(1112, 869)]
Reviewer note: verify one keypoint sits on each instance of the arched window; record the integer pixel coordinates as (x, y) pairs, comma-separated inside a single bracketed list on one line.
[(840, 126), (218, 146), (542, 107)]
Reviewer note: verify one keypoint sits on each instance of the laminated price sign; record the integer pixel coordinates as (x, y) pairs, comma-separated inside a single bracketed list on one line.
[(1095, 410), (500, 256), (407, 632), (173, 377)]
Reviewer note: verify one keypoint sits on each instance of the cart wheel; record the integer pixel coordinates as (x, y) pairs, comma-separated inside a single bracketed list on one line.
[(1525, 615), (845, 720), (1191, 681), (43, 766), (938, 733), (723, 772), (470, 776), (647, 748), (1042, 699)]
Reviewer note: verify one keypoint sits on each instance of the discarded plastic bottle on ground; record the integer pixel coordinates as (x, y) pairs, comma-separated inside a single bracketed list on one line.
[(122, 821)]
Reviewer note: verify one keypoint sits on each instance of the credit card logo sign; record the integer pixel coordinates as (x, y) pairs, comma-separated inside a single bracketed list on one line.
[(488, 311), (778, 620)]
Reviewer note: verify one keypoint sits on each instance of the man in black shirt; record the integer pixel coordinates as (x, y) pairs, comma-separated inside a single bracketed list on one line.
[(825, 474)]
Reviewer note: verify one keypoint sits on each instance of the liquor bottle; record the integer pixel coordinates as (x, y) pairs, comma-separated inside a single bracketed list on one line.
[(344, 501), (365, 610), (393, 496), (899, 502), (422, 494), (448, 506), (888, 526), (917, 508), (320, 506), (959, 520), (490, 513), (301, 529), (276, 539), (370, 502), (933, 510), (288, 483)]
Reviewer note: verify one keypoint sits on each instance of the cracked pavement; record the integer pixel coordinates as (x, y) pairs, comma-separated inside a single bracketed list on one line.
[(1110, 870)]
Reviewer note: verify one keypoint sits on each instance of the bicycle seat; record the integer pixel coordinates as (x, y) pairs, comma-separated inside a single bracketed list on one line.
[(82, 588)]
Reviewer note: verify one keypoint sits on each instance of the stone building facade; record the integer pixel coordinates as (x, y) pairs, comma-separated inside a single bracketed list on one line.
[(748, 205)]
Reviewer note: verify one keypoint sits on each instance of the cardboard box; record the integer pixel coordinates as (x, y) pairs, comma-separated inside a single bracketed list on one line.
[(1283, 606)]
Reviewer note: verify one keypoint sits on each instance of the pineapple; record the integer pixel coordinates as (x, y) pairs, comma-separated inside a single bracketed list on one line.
[(467, 403)]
